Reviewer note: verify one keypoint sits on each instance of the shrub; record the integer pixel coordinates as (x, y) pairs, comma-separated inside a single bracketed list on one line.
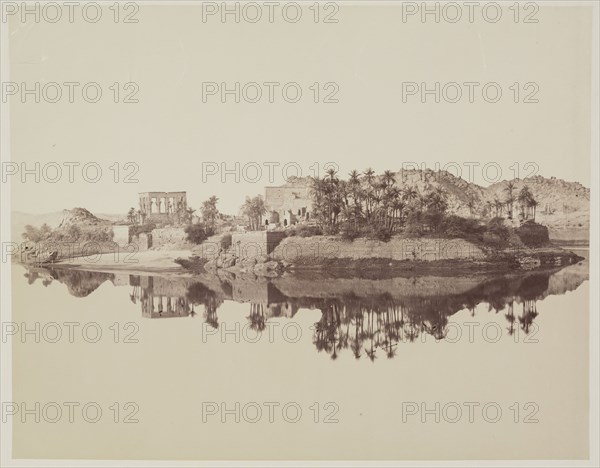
[(496, 226), (496, 233), (433, 219), (83, 233), (197, 233), (304, 230), (533, 234), (34, 234), (73, 232), (414, 224), (457, 226), (380, 233), (101, 235), (226, 241), (331, 229), (349, 232)]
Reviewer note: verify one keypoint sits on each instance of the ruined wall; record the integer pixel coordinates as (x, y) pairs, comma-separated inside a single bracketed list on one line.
[(168, 236), (255, 244), (321, 247), (142, 241), (281, 199), (258, 292)]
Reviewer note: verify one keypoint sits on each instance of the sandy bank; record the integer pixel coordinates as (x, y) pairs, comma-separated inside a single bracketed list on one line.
[(150, 261)]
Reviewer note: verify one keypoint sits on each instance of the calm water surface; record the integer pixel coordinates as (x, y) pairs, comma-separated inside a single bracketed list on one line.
[(362, 350)]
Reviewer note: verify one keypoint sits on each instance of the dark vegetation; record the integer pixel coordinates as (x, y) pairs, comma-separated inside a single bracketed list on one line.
[(226, 241), (71, 233), (304, 230), (198, 233), (533, 234), (375, 207)]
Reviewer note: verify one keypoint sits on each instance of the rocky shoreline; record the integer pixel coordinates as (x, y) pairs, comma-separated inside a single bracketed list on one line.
[(500, 261)]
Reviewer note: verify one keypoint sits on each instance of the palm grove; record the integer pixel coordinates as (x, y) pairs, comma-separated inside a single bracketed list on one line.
[(377, 206)]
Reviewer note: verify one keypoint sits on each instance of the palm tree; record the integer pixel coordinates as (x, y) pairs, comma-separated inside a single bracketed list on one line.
[(525, 198), (131, 215), (533, 203), (254, 209), (510, 317), (210, 212), (354, 190), (410, 194), (510, 186), (369, 191), (188, 215), (498, 206), (331, 172), (388, 178), (436, 200)]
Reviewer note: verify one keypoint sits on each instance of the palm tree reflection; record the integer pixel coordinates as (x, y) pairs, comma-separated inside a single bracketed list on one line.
[(362, 323)]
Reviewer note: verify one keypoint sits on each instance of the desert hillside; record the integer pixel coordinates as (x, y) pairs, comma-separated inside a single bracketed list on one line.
[(55, 219), (562, 206)]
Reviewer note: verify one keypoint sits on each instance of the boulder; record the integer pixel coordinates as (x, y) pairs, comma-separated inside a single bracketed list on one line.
[(529, 263)]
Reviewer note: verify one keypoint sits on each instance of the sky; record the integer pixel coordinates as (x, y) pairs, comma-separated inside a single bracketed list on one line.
[(179, 136)]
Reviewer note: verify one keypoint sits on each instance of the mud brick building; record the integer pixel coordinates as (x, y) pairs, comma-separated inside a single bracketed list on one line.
[(288, 204)]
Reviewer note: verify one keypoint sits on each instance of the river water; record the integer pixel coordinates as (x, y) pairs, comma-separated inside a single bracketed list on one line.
[(301, 366)]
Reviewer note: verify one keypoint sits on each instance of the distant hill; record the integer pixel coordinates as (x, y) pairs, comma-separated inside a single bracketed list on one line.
[(55, 219), (79, 216), (562, 206)]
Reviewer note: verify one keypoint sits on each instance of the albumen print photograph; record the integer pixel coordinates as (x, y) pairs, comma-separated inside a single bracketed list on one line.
[(305, 233)]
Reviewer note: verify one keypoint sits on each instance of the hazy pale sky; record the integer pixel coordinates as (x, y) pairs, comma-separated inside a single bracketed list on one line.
[(177, 141)]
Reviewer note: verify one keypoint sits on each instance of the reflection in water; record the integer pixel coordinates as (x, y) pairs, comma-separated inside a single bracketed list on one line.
[(360, 315)]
